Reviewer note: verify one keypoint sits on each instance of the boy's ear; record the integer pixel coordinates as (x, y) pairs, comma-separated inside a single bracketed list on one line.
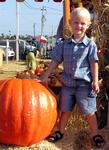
[(88, 25)]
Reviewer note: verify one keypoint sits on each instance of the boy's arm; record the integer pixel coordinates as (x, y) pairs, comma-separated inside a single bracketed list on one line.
[(50, 69), (94, 70)]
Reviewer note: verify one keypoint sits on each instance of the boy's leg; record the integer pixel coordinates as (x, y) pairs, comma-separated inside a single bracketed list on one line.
[(57, 135), (66, 104), (63, 121), (86, 99), (96, 137), (91, 119)]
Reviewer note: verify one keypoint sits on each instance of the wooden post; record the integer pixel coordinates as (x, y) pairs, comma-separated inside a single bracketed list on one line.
[(66, 16), (66, 12)]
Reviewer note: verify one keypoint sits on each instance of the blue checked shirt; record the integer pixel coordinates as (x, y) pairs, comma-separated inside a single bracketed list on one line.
[(76, 58)]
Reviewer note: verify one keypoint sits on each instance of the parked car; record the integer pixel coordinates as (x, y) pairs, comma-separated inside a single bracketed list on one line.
[(24, 46), (8, 50), (28, 46)]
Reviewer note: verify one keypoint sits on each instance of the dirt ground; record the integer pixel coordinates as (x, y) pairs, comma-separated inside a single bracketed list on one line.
[(9, 70), (75, 138)]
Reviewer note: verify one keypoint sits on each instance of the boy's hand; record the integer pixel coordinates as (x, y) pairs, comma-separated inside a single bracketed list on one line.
[(95, 87), (45, 79)]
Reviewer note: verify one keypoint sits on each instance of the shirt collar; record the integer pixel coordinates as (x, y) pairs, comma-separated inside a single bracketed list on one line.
[(85, 40)]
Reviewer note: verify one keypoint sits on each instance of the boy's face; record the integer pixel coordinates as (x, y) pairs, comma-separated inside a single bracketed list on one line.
[(79, 25)]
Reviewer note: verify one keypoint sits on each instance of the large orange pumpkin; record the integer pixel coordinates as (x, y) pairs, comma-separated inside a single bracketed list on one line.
[(28, 111)]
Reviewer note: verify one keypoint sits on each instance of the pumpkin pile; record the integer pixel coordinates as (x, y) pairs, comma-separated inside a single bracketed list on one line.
[(28, 111), (33, 74), (38, 73)]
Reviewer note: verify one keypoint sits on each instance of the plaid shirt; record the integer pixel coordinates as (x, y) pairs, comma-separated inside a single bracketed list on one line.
[(76, 58)]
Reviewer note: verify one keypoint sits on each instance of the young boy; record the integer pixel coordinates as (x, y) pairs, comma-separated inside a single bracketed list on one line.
[(79, 77)]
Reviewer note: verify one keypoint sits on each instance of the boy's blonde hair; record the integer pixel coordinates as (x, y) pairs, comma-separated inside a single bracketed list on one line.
[(81, 11)]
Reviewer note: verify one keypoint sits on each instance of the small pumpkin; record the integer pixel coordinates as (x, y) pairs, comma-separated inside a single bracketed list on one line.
[(41, 68), (39, 71), (28, 111)]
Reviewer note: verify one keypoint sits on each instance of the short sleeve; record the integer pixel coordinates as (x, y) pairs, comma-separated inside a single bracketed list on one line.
[(57, 53), (93, 56)]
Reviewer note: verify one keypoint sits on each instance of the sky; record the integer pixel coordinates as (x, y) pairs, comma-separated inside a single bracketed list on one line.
[(30, 13)]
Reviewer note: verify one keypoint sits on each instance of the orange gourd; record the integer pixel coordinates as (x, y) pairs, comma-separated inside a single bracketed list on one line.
[(28, 111)]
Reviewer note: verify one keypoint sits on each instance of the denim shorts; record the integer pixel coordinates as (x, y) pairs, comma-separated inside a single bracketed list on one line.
[(82, 94)]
